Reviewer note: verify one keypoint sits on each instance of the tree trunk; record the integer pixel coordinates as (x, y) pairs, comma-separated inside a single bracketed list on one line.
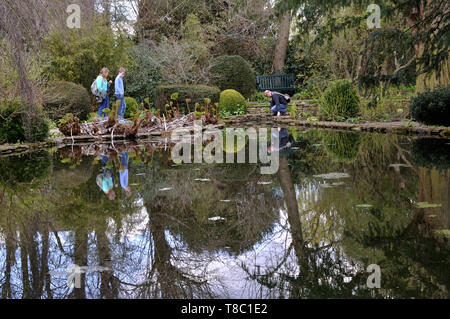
[(282, 43)]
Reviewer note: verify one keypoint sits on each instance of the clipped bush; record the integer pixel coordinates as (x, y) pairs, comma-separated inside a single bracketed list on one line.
[(342, 146), (232, 102), (63, 97), (132, 107), (339, 101), (11, 124), (432, 107), (193, 93), (234, 72)]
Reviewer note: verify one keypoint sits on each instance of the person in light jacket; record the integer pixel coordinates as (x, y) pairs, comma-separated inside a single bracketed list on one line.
[(103, 89), (120, 94)]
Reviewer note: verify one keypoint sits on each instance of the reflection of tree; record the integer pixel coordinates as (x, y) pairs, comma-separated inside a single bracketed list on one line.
[(321, 270)]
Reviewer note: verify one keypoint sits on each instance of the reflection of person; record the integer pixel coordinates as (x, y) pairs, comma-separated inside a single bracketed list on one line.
[(278, 102), (123, 172), (282, 136), (120, 94), (105, 180)]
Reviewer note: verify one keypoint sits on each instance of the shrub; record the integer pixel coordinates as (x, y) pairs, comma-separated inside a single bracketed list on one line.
[(342, 146), (232, 102), (195, 93), (11, 125), (432, 107), (132, 107), (63, 97), (339, 101), (233, 72), (143, 76)]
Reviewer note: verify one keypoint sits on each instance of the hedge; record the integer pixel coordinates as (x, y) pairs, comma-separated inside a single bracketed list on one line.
[(234, 72), (339, 101), (63, 97)]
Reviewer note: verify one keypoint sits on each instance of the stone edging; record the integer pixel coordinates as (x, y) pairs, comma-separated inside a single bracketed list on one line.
[(404, 128)]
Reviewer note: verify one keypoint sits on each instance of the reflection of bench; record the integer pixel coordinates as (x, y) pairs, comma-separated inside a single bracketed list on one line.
[(284, 83)]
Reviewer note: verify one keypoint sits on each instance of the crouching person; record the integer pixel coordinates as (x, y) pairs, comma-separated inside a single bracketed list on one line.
[(278, 102)]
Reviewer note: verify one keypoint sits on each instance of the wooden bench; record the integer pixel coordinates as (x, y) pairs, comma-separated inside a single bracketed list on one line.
[(283, 83)]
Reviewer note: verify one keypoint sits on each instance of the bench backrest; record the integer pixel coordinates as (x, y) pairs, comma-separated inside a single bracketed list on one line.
[(278, 82)]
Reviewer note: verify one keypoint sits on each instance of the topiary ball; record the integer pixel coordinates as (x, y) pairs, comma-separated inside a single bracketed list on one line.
[(232, 101)]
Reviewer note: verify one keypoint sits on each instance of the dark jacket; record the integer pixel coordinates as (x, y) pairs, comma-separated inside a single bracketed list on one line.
[(278, 99)]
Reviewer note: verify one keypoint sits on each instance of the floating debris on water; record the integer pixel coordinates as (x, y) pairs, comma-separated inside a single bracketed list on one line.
[(165, 189), (264, 183), (332, 185), (140, 174), (333, 175), (427, 205), (225, 200), (202, 180), (216, 218), (317, 145)]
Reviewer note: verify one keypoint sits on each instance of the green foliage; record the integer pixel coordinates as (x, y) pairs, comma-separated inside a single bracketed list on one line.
[(61, 97), (11, 124), (194, 93), (383, 110), (432, 107), (233, 102), (339, 101), (233, 72), (78, 55), (11, 129), (258, 97), (142, 76), (342, 146), (132, 107)]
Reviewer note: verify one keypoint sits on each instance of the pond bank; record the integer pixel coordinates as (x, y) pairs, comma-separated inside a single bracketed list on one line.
[(403, 128), (14, 149), (399, 127)]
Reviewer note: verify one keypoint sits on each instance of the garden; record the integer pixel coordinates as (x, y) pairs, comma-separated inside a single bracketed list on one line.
[(361, 154)]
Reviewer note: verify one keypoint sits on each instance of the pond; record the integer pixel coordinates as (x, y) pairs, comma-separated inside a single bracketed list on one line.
[(127, 221)]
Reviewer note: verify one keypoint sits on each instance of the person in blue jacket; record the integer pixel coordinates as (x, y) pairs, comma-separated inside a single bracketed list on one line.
[(120, 94), (278, 103)]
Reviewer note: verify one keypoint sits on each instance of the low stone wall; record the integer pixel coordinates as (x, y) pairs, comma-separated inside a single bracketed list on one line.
[(405, 128)]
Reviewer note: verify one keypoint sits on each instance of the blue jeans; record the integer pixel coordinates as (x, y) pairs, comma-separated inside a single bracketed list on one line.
[(282, 109), (102, 106), (122, 107)]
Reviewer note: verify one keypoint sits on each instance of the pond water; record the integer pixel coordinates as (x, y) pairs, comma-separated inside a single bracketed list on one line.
[(139, 225)]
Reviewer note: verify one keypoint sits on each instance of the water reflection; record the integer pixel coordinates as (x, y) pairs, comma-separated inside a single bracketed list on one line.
[(163, 230)]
